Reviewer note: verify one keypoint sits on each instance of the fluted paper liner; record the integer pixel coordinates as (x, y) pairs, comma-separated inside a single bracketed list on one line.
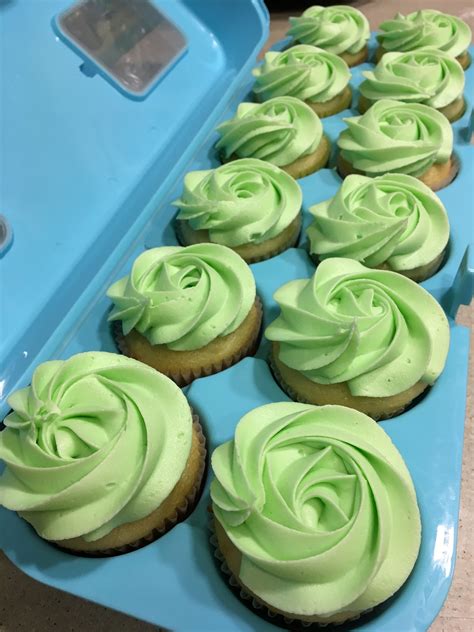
[(180, 514), (259, 607), (297, 398), (290, 243), (184, 378)]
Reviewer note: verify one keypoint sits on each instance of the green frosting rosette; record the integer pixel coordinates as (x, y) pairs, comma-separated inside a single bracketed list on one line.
[(425, 28), (339, 29), (305, 72), (321, 506), (393, 218), (279, 131), (95, 442), (244, 201), (428, 76), (376, 330), (397, 137), (184, 297)]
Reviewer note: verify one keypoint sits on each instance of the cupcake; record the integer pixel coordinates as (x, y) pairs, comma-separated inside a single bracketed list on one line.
[(187, 312), (101, 454), (317, 77), (426, 28), (428, 76), (283, 131), (393, 222), (341, 30), (248, 205), (395, 137), (372, 340), (315, 512)]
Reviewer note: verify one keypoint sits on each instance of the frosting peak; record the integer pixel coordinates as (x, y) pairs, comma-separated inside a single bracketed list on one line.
[(305, 72), (374, 329), (320, 505), (397, 137), (184, 297), (95, 442), (244, 201), (337, 29), (277, 131), (425, 28), (428, 76), (393, 219)]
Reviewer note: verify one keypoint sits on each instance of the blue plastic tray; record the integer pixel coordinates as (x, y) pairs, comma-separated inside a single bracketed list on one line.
[(175, 582)]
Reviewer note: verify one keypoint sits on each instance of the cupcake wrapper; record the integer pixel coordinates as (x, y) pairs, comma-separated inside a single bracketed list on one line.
[(272, 253), (260, 608), (296, 398), (184, 378), (180, 514)]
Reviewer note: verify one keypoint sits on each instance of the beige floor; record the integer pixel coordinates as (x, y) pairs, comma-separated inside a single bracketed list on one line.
[(27, 605)]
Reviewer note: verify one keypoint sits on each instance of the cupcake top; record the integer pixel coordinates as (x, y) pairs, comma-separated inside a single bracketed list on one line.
[(393, 218), (305, 72), (279, 131), (338, 29), (428, 76), (244, 201), (95, 442), (425, 28), (397, 137), (321, 506), (376, 330), (184, 297)]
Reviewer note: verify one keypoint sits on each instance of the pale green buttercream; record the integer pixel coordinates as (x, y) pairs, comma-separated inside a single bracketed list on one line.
[(321, 506), (245, 201), (95, 442), (376, 330), (337, 29), (394, 219), (428, 76), (396, 137), (305, 72), (278, 131), (184, 297), (425, 28)]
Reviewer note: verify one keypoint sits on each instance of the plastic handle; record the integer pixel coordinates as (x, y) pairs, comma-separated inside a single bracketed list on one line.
[(6, 235), (462, 290)]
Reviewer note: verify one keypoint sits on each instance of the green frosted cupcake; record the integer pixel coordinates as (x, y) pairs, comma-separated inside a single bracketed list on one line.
[(342, 30), (102, 454), (426, 28), (392, 222), (315, 512), (248, 205), (317, 77), (428, 76), (397, 137), (369, 339), (283, 131)]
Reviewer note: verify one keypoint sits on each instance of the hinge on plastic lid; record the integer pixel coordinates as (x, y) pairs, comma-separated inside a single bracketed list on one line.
[(462, 290), (6, 235)]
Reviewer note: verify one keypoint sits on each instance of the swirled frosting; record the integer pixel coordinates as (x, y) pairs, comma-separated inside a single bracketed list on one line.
[(425, 28), (278, 131), (184, 297), (337, 29), (397, 137), (393, 218), (321, 506), (95, 442), (428, 76), (305, 72), (244, 201), (376, 330)]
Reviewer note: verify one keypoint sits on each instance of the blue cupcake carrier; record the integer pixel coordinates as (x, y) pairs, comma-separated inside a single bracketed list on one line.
[(89, 168)]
